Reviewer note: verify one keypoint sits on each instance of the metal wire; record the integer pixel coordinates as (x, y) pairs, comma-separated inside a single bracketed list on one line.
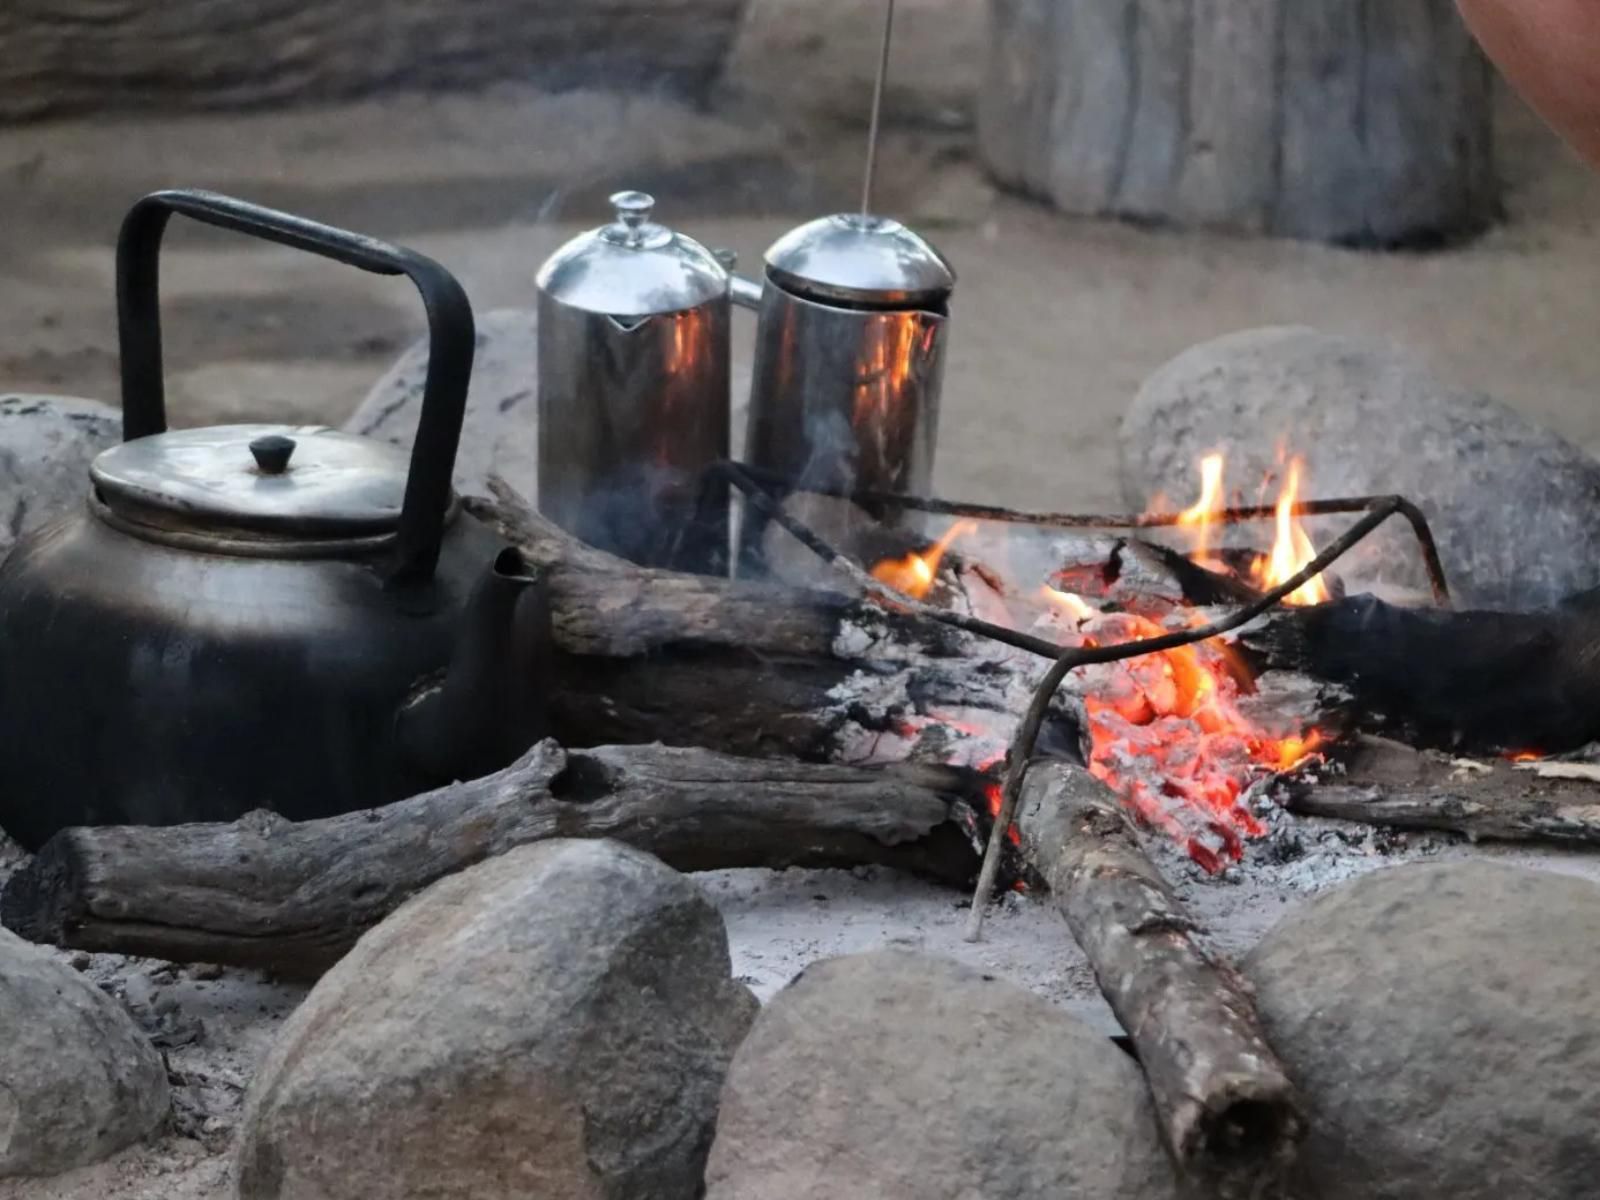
[(1378, 509), (1055, 520), (736, 474), (877, 108)]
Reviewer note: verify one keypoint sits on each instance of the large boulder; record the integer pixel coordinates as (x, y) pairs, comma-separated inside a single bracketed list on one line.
[(501, 431), (1441, 1022), (897, 1076), (78, 1081), (1515, 509), (555, 1022), (46, 446)]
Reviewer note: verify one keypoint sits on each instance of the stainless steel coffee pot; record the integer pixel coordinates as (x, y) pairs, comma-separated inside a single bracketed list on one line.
[(850, 345), (633, 390)]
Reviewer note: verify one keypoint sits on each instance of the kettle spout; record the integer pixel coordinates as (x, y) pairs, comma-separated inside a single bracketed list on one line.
[(491, 705)]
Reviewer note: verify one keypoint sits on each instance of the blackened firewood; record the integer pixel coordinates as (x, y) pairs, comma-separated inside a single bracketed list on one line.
[(1481, 680), (1567, 816), (1401, 787), (1200, 585), (1225, 1103)]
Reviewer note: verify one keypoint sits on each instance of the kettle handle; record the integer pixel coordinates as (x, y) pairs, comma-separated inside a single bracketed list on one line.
[(451, 341)]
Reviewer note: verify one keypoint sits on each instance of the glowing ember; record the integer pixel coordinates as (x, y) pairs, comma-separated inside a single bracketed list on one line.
[(1164, 731), (1166, 735), (994, 793), (914, 574), (1291, 548), (1199, 515)]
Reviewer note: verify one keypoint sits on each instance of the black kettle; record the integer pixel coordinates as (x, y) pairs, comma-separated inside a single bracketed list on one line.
[(262, 616)]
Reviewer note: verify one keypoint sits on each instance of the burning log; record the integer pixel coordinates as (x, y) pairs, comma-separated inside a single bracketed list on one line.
[(747, 667), (1225, 1103), (1483, 680), (293, 897)]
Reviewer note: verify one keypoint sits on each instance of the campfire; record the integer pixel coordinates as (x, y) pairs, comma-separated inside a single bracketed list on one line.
[(1165, 731)]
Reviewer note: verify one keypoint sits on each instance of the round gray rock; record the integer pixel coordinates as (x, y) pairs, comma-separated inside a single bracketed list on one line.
[(1515, 509), (903, 1077), (1442, 1023), (501, 430), (78, 1081), (555, 1022), (46, 446)]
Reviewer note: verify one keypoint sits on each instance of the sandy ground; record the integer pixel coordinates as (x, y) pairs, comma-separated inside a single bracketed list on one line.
[(1056, 323)]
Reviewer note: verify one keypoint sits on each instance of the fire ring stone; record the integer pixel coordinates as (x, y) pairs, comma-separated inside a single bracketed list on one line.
[(899, 1075), (1442, 1023)]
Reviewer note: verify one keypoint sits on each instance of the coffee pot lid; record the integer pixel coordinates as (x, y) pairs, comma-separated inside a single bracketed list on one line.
[(305, 480), (860, 258), (633, 267)]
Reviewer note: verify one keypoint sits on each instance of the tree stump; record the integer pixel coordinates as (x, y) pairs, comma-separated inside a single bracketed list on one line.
[(1358, 122), (66, 56)]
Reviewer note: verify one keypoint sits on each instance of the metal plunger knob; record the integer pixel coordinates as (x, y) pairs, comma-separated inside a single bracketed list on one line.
[(272, 453), (633, 210)]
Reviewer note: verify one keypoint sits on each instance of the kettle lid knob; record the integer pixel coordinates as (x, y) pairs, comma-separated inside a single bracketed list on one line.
[(272, 453)]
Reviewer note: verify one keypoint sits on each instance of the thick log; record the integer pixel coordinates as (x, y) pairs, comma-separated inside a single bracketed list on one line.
[(743, 667), (1479, 680), (293, 897), (65, 56), (1225, 1103), (1342, 121)]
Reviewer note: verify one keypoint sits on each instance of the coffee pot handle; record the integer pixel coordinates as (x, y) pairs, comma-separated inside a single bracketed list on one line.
[(451, 341)]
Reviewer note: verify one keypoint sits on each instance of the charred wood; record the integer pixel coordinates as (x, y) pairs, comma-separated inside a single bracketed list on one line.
[(1562, 817), (744, 667), (1400, 787), (293, 897), (1476, 680), (1225, 1103)]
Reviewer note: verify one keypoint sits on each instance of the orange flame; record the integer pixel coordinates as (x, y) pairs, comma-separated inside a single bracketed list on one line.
[(1200, 514), (1291, 548), (914, 574)]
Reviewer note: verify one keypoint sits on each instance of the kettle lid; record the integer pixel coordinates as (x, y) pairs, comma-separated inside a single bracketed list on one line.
[(305, 480), (633, 267), (860, 258)]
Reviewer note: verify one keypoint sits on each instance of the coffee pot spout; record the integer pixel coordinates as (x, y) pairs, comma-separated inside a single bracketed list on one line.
[(491, 705)]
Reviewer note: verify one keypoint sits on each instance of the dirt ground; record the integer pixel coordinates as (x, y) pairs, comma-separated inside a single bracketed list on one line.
[(1056, 320)]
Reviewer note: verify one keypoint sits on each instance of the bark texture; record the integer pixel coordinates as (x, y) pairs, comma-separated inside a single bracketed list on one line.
[(294, 896), (67, 56), (749, 668), (1224, 1102), (1361, 122), (1393, 784)]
